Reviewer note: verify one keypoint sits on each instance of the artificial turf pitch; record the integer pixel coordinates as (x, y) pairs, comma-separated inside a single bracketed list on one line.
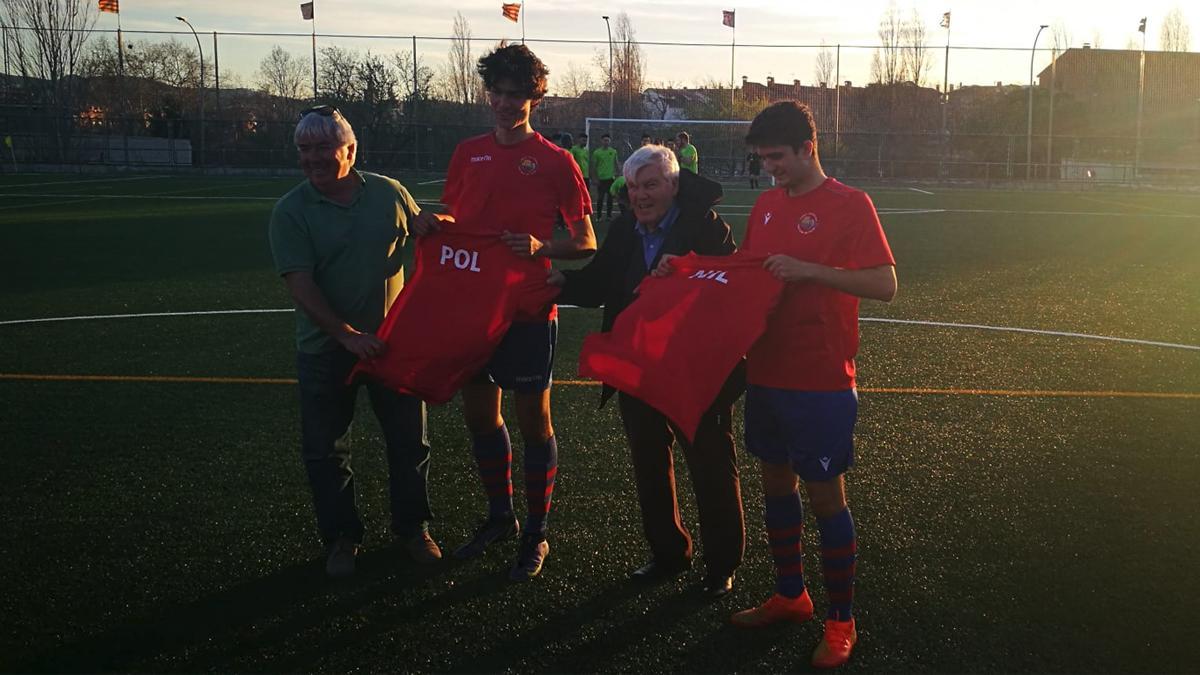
[(166, 526)]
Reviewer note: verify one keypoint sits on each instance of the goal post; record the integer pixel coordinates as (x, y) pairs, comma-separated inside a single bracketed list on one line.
[(720, 144)]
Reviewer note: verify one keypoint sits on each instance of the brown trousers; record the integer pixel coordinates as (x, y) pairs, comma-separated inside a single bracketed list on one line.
[(712, 462)]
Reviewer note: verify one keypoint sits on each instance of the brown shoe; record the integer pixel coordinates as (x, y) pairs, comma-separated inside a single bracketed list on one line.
[(423, 549), (340, 563)]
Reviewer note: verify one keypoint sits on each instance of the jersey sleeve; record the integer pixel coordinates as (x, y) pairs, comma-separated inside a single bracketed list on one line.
[(452, 191), (290, 246), (754, 210), (573, 200), (408, 205), (871, 246)]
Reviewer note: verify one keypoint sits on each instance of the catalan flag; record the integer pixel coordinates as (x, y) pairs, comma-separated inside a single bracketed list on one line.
[(511, 11), (112, 6), (727, 17), (945, 20)]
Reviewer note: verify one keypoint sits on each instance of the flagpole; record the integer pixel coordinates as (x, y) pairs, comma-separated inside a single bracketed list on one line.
[(522, 23), (314, 48), (732, 57)]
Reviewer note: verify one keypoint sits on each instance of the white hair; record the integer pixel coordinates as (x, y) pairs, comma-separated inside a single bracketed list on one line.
[(314, 127), (648, 155)]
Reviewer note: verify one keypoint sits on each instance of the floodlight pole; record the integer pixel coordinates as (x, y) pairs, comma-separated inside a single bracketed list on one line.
[(200, 49), (1137, 147), (608, 27), (1029, 130)]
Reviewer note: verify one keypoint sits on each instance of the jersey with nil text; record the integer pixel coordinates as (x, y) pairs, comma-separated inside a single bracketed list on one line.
[(812, 337), (450, 317), (517, 188), (675, 345)]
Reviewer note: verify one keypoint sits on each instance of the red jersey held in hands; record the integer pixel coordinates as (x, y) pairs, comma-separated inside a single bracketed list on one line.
[(677, 343), (519, 188), (450, 317), (812, 337)]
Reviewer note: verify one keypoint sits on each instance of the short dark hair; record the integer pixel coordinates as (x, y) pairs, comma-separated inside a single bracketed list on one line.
[(784, 123), (518, 64), (645, 135), (683, 135), (582, 135), (609, 137)]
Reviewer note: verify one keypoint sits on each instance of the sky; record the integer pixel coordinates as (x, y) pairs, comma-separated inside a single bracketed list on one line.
[(1009, 27)]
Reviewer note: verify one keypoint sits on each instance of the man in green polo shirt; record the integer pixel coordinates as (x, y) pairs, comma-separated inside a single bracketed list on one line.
[(604, 163), (688, 157), (337, 240)]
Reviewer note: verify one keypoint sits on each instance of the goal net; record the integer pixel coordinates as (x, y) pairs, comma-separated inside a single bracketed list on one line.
[(720, 144)]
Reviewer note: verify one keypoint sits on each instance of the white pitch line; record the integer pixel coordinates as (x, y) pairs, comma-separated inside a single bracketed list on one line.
[(433, 182), (940, 324), (924, 192), (1013, 329), (162, 197), (91, 317), (94, 180)]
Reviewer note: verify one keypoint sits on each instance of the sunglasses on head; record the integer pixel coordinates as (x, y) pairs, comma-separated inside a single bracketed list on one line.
[(322, 110)]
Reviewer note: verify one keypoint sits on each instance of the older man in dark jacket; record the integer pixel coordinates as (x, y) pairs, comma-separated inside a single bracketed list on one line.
[(671, 215)]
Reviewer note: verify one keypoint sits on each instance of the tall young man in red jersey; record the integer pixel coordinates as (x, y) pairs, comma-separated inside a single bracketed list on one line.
[(512, 183), (825, 241)]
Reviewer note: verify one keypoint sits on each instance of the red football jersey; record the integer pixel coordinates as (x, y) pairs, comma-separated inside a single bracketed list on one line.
[(812, 338), (675, 345), (519, 188), (450, 317)]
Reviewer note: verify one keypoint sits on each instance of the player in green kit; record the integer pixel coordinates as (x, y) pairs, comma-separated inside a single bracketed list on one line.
[(604, 163), (688, 157)]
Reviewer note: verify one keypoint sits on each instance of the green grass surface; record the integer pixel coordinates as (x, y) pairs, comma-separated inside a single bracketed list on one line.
[(167, 526)]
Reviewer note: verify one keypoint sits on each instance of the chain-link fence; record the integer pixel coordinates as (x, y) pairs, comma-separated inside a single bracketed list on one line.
[(954, 114)]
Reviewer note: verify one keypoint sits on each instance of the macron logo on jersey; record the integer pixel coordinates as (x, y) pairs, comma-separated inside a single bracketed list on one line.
[(461, 258), (714, 275), (481, 158)]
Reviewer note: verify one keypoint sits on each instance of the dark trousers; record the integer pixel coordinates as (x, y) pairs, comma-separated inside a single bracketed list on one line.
[(326, 413), (606, 198), (712, 462)]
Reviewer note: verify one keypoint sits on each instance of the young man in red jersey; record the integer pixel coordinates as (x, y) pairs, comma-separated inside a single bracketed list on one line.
[(824, 240), (512, 183)]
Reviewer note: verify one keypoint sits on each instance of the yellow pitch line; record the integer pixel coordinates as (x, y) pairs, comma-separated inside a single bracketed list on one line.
[(36, 377)]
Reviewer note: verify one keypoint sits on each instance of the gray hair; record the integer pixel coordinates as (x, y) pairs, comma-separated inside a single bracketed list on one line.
[(648, 155), (315, 128)]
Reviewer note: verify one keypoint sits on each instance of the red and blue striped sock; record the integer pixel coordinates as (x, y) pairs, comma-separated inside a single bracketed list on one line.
[(541, 466), (785, 525), (493, 456), (839, 551)]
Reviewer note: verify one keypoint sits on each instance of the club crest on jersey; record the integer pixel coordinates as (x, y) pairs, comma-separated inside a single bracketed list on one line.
[(527, 165), (767, 217), (714, 275), (807, 223)]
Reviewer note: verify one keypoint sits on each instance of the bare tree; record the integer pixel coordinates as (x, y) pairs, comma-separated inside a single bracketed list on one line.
[(403, 62), (1175, 35), (48, 53), (574, 81), (628, 68), (336, 70), (916, 56), (281, 74), (460, 82), (825, 66), (887, 63), (1060, 36)]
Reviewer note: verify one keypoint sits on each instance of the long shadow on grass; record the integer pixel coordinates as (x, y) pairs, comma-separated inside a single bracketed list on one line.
[(213, 632)]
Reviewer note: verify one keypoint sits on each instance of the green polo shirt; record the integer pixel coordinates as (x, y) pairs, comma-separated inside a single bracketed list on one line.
[(689, 158), (606, 162), (353, 251), (582, 157)]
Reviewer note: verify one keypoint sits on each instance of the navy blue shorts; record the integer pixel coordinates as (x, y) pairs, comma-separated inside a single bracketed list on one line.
[(524, 361), (811, 430)]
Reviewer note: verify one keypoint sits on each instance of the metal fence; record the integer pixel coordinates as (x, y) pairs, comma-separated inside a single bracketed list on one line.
[(1091, 115)]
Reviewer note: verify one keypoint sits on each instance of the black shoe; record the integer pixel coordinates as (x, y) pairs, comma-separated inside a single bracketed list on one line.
[(489, 532), (716, 585), (534, 550), (657, 571)]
